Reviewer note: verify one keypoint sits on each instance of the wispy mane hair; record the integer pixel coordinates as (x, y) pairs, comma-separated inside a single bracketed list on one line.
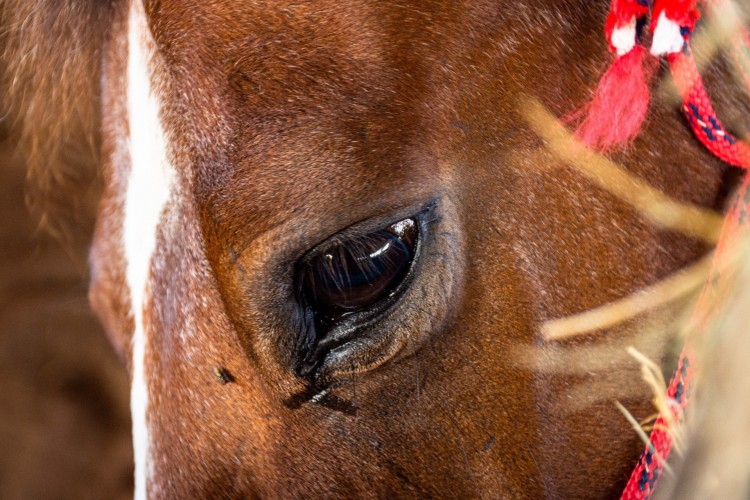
[(50, 58)]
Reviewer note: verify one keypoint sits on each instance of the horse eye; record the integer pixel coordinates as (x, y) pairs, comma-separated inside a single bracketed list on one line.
[(352, 275)]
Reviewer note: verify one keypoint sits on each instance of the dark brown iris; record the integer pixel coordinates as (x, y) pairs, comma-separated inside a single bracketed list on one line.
[(353, 274)]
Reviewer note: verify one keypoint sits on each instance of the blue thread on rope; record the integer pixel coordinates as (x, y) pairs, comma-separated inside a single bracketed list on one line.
[(709, 124)]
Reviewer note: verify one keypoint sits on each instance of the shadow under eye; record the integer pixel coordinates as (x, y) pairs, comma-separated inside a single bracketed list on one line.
[(352, 278)]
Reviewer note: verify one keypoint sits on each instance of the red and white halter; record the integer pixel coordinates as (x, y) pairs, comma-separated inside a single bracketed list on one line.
[(615, 116)]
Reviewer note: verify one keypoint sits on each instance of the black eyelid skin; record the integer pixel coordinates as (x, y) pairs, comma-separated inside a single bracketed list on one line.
[(334, 332), (425, 211)]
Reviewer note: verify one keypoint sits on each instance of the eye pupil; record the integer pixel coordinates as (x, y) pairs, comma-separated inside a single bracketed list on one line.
[(354, 274)]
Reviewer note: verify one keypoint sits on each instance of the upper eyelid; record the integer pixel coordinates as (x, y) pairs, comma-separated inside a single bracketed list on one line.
[(353, 245), (424, 213), (360, 258), (337, 240)]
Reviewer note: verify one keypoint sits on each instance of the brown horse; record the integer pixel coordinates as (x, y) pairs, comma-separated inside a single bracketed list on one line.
[(328, 240)]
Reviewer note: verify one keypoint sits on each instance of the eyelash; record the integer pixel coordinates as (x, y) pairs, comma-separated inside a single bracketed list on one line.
[(356, 250)]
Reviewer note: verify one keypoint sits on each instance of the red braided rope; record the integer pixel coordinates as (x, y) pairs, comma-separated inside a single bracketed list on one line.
[(712, 134), (649, 468), (701, 115)]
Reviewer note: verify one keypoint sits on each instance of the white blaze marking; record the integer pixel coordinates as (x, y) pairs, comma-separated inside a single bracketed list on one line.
[(149, 186), (667, 37)]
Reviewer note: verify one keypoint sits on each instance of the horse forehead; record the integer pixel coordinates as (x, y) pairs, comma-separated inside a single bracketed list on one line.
[(297, 106), (324, 89), (273, 60), (237, 33), (230, 20), (268, 50), (357, 95)]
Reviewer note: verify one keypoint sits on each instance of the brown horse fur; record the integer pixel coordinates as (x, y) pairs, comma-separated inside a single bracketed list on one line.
[(290, 122)]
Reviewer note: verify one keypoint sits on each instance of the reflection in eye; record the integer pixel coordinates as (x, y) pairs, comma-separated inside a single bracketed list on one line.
[(354, 274)]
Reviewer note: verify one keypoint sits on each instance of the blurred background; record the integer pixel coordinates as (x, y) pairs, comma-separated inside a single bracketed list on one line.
[(64, 418)]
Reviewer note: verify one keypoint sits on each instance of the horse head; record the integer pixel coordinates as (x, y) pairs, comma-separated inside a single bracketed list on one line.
[(329, 238)]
